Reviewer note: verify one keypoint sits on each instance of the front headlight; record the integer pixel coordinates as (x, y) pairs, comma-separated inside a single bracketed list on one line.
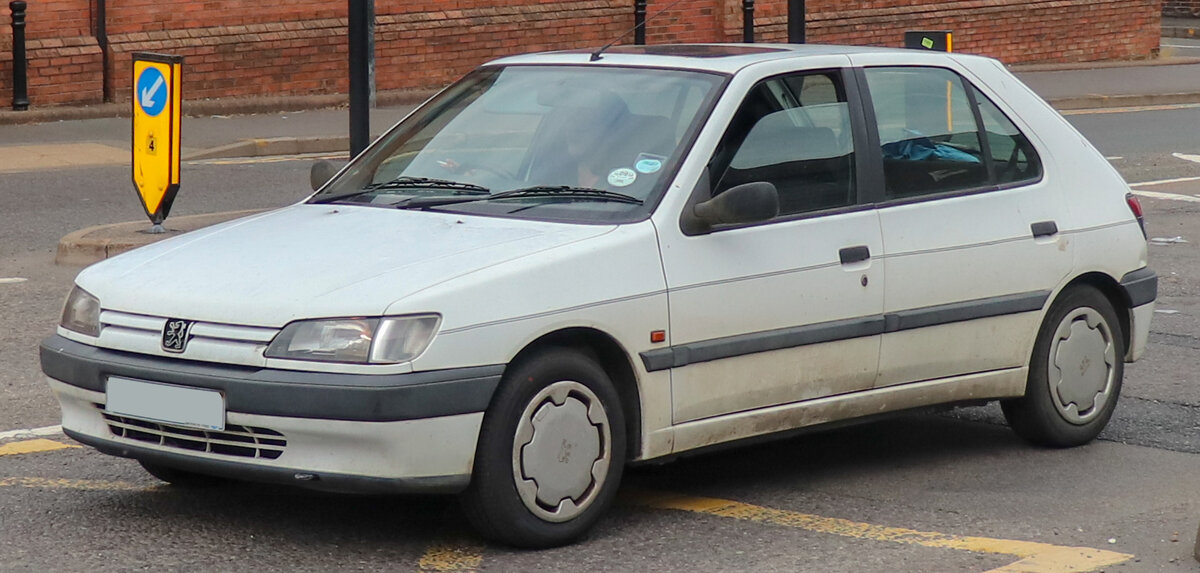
[(386, 340), (81, 313)]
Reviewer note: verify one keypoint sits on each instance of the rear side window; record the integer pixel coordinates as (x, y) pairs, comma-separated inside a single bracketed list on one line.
[(932, 139), (1013, 157), (927, 131), (794, 132)]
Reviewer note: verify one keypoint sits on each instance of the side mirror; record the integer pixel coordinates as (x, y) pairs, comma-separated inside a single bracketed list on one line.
[(746, 203), (322, 171)]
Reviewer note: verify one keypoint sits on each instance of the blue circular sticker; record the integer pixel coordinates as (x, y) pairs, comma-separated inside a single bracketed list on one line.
[(648, 165), (152, 91)]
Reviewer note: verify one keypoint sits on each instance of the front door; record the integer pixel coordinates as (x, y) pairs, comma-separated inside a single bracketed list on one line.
[(789, 309)]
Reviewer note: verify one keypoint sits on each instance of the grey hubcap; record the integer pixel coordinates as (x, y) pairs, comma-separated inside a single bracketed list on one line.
[(561, 451), (1082, 365)]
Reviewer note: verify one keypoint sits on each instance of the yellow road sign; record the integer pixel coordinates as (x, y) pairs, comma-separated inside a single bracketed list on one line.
[(156, 124)]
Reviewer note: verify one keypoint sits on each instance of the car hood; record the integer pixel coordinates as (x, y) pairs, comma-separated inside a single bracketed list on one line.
[(308, 261)]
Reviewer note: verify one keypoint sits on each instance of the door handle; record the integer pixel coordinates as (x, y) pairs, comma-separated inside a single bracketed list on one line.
[(850, 255), (1044, 229)]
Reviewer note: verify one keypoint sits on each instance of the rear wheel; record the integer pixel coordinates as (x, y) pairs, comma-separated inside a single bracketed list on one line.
[(181, 478), (1074, 374), (550, 452)]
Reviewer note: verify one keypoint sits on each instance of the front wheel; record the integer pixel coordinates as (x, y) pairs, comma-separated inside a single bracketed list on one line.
[(550, 453), (1074, 374)]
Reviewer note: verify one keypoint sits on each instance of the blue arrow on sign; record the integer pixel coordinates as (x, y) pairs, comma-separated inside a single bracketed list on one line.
[(152, 91)]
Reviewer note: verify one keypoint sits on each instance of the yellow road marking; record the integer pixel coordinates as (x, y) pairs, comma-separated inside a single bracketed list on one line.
[(32, 447), (82, 484), (267, 159), (450, 556), (1129, 109), (1034, 557)]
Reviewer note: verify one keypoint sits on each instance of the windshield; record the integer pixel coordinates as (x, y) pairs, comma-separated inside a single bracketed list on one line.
[(549, 142)]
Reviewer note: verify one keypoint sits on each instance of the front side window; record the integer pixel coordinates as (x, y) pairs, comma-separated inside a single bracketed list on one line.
[(927, 130), (549, 142), (793, 132)]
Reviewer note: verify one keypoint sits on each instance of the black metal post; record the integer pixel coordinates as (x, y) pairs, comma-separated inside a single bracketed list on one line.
[(748, 21), (360, 89), (795, 25), (371, 50), (639, 21), (20, 90), (102, 42)]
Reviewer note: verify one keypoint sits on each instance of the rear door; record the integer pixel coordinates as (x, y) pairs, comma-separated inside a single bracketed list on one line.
[(969, 220)]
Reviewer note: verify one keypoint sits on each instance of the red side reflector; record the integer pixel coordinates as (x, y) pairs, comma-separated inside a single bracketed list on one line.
[(658, 336)]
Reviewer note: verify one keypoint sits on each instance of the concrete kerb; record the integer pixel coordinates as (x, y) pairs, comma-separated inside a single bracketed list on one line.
[(1097, 101), (273, 146), (1196, 550)]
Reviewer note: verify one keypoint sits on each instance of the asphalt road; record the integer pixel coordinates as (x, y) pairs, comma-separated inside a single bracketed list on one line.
[(938, 491)]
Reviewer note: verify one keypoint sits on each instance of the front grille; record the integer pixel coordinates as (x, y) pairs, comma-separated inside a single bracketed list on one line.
[(239, 441)]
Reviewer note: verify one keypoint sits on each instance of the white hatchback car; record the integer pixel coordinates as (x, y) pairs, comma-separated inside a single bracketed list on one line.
[(563, 264)]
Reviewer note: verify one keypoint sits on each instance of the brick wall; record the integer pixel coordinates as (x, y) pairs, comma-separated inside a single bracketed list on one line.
[(255, 48)]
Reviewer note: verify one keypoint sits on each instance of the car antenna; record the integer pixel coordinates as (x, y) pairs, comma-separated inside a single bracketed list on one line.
[(596, 55)]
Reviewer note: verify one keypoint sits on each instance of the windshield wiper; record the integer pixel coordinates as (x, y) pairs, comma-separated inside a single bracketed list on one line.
[(586, 193), (568, 191), (404, 182), (431, 183)]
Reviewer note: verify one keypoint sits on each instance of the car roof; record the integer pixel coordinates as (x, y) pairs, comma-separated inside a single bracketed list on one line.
[(721, 58)]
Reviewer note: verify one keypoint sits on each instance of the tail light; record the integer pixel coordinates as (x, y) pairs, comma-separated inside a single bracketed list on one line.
[(1136, 207)]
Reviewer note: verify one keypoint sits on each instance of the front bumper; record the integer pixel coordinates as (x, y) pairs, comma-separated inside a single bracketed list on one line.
[(392, 433)]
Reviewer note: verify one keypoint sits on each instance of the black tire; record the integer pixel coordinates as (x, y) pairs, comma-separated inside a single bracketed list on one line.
[(182, 478), (493, 502), (1043, 416)]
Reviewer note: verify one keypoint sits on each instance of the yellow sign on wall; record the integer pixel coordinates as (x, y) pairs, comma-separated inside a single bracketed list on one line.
[(156, 125)]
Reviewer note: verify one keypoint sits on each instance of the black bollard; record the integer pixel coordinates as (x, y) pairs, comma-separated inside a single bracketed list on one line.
[(360, 91), (748, 21), (20, 71), (795, 24), (639, 22)]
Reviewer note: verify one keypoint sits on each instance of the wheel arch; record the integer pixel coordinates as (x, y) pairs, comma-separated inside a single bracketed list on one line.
[(1111, 289), (615, 361)]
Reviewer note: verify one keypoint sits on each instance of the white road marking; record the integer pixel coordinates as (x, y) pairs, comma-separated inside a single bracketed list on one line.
[(1164, 181), (12, 280), (1171, 196), (1115, 158), (1187, 157), (31, 433)]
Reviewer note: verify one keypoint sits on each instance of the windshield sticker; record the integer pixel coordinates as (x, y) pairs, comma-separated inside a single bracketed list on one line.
[(622, 177), (647, 163)]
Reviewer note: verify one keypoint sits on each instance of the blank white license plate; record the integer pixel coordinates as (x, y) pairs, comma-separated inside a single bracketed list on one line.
[(165, 403)]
